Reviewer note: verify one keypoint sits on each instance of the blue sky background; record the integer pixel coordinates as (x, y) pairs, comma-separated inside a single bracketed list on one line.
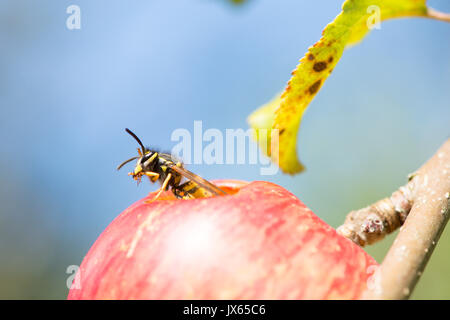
[(154, 66)]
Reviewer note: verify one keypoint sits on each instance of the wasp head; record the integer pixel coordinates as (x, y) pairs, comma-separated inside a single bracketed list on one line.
[(145, 161)]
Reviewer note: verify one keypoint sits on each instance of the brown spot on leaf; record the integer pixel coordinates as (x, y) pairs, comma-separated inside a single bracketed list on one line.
[(320, 66), (310, 57), (330, 59), (313, 89), (281, 131)]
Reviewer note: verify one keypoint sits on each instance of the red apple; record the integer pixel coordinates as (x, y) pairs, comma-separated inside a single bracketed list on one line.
[(259, 242)]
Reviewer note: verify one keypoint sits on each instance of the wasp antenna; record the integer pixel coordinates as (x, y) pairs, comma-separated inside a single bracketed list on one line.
[(125, 162), (137, 139)]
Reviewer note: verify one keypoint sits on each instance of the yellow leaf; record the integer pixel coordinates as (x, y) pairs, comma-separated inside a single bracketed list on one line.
[(262, 119), (349, 27)]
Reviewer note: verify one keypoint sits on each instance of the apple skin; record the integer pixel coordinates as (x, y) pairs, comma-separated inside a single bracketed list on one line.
[(260, 242)]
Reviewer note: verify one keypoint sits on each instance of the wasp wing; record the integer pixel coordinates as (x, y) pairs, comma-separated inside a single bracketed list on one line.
[(197, 179)]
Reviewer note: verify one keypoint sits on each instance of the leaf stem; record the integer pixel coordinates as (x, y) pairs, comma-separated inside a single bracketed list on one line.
[(438, 15)]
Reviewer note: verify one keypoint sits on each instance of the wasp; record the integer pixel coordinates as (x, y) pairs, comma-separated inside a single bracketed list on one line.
[(169, 172)]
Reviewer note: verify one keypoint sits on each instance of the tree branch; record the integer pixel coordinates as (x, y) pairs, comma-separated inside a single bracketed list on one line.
[(422, 207), (373, 223)]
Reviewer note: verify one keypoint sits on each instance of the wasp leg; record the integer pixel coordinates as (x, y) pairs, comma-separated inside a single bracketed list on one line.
[(181, 193), (163, 188), (191, 190), (152, 175)]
